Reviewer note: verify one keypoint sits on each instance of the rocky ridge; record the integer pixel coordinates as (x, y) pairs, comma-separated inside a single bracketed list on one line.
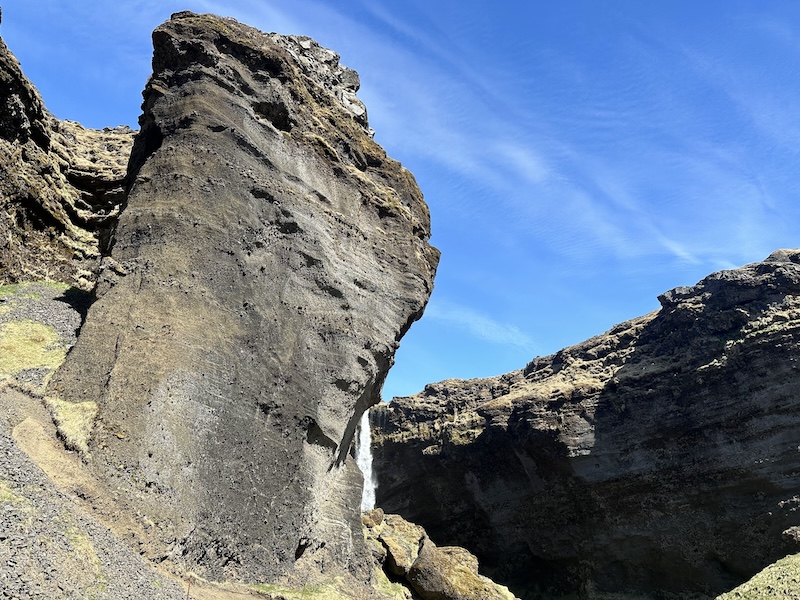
[(61, 186), (658, 458)]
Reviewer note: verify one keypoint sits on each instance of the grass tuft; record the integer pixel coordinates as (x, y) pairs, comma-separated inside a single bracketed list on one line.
[(74, 421), (28, 345)]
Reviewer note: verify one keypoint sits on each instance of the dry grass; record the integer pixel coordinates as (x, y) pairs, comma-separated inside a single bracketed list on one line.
[(28, 345), (74, 421)]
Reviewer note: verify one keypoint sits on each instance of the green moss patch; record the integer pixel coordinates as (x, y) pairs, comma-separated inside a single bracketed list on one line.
[(7, 290), (28, 345), (780, 581)]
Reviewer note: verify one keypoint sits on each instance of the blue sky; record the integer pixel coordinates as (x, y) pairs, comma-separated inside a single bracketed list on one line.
[(579, 157)]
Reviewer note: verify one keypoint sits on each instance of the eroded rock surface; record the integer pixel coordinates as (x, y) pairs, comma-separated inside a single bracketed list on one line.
[(65, 533), (61, 186), (406, 554), (660, 457), (268, 261)]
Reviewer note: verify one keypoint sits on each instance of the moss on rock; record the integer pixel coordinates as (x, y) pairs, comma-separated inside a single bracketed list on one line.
[(27, 344), (780, 581)]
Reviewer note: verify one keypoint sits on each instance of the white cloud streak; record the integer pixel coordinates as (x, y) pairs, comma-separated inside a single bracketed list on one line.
[(478, 325)]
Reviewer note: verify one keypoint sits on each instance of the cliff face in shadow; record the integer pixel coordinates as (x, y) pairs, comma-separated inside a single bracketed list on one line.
[(268, 260), (660, 457)]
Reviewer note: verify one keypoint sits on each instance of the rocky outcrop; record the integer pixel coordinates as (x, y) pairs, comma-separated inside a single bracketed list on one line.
[(779, 581), (406, 553), (660, 457), (269, 258), (61, 186)]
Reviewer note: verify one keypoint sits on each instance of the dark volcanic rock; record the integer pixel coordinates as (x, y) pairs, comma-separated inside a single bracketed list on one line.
[(659, 457), (61, 186), (268, 261)]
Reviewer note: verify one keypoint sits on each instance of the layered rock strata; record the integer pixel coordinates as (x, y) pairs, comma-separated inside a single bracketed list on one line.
[(660, 457), (268, 261), (61, 186)]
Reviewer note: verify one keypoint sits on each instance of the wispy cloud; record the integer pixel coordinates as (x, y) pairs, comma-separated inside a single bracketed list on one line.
[(627, 172), (522, 161), (478, 325)]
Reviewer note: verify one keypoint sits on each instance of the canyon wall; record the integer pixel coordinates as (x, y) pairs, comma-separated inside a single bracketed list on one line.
[(61, 186), (660, 457)]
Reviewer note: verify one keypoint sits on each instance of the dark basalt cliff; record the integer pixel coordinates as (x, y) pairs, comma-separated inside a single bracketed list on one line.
[(269, 258), (658, 458), (254, 259), (253, 271), (61, 186)]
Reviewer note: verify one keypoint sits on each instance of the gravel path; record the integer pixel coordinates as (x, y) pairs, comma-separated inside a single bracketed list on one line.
[(50, 549)]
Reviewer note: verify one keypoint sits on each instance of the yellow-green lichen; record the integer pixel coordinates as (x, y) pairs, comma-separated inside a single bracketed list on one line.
[(779, 581), (28, 345), (21, 505), (8, 495), (308, 591), (326, 591), (85, 552)]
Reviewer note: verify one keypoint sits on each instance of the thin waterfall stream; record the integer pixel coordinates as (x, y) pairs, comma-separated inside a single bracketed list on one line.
[(364, 461)]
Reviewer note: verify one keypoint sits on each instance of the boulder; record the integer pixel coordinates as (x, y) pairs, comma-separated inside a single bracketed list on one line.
[(402, 541), (451, 573), (433, 573)]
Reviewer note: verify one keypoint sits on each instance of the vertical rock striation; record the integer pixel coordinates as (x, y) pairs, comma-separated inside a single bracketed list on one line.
[(268, 261), (658, 458)]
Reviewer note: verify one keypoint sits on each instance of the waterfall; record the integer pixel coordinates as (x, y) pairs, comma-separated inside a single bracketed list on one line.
[(364, 461)]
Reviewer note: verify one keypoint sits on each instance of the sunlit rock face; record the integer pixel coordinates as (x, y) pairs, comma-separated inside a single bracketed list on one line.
[(268, 261), (61, 186), (661, 456)]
